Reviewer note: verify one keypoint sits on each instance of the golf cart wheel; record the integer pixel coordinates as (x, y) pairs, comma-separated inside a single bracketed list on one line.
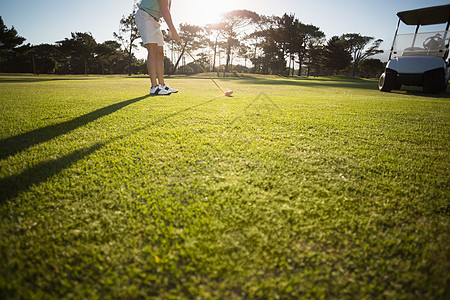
[(434, 81), (386, 82)]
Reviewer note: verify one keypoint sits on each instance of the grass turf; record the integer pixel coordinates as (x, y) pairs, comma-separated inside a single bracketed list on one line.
[(309, 188)]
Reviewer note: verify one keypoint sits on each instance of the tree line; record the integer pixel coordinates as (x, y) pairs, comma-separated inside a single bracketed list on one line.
[(242, 41)]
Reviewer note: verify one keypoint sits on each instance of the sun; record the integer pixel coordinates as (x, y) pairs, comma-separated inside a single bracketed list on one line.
[(200, 12)]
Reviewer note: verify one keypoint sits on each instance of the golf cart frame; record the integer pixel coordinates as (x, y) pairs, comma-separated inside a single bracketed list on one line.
[(422, 58)]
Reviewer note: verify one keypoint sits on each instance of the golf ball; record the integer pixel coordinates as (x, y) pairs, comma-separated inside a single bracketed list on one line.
[(228, 93)]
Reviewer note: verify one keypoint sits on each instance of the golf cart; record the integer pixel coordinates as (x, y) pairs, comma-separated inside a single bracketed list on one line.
[(419, 59)]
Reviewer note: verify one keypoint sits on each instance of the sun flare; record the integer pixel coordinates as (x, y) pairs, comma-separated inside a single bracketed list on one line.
[(202, 11)]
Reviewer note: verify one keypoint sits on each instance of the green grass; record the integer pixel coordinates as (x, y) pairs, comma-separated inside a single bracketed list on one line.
[(293, 188)]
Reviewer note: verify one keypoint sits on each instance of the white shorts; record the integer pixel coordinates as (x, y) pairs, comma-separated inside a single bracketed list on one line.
[(149, 28)]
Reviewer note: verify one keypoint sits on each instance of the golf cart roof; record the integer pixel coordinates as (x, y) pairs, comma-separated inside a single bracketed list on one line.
[(426, 16)]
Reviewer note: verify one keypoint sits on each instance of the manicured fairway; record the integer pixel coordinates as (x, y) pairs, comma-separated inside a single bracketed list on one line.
[(293, 188)]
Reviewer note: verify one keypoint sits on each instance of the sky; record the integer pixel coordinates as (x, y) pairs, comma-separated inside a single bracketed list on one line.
[(48, 21)]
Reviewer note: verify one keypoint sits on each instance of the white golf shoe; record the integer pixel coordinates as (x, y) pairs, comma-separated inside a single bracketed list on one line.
[(169, 89), (159, 90)]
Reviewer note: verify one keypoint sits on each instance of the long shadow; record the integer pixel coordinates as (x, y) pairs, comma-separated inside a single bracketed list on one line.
[(13, 145), (21, 79), (356, 83), (420, 93), (312, 82), (11, 186), (300, 81)]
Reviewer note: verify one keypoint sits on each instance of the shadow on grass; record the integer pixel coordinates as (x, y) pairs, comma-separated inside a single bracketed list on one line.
[(13, 145), (356, 83), (319, 82), (413, 91), (21, 79), (11, 186)]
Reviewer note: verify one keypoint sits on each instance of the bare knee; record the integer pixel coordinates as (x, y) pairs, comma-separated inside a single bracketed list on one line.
[(153, 50)]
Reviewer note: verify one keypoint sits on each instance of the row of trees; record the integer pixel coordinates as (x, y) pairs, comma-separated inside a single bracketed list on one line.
[(79, 54), (260, 44)]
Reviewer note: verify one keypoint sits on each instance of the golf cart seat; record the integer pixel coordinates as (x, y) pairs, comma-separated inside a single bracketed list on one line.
[(413, 51), (417, 51)]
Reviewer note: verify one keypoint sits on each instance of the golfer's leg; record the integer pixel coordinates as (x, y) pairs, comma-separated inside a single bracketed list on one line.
[(152, 62), (160, 68)]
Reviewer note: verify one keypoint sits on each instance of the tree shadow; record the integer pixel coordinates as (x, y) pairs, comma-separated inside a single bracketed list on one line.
[(336, 82), (11, 186), (412, 91), (357, 83), (13, 145), (19, 79)]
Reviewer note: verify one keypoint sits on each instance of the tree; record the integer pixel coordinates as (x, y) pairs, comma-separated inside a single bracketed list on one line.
[(108, 52), (336, 56), (168, 66), (232, 26), (283, 35), (265, 58), (9, 40), (44, 58), (128, 35), (357, 46), (192, 36), (371, 67), (306, 37), (214, 31), (203, 60), (244, 52), (78, 51), (313, 56)]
